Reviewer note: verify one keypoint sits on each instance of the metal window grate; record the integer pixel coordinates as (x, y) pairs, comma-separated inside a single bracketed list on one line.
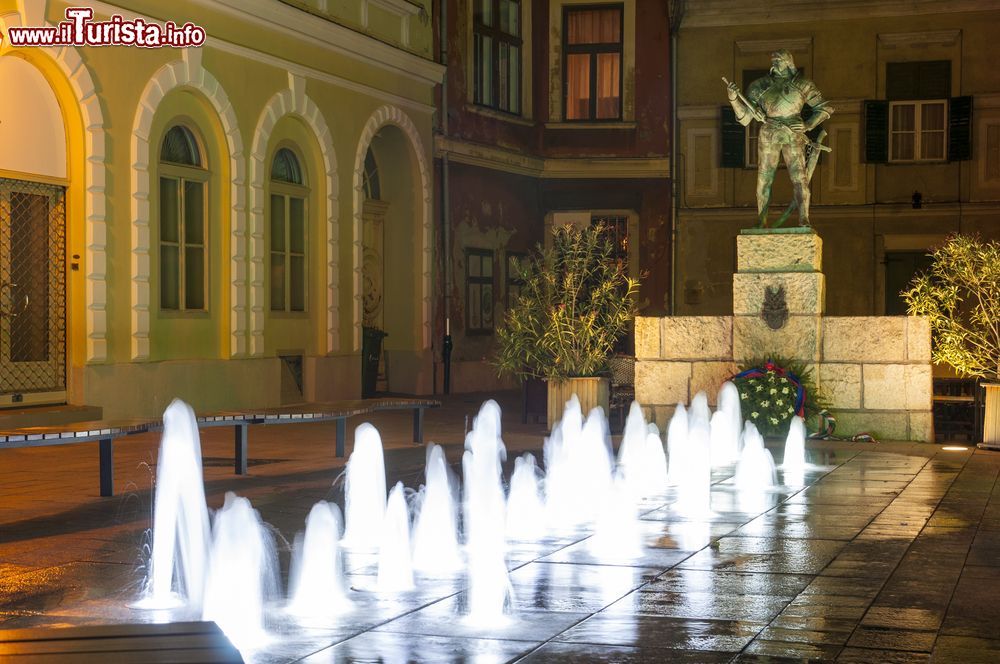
[(32, 287)]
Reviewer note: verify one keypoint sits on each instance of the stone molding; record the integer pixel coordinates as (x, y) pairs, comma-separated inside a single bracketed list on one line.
[(186, 72), (81, 81), (924, 38), (393, 115), (294, 102)]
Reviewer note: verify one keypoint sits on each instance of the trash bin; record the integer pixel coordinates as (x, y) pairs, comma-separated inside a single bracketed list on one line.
[(371, 352)]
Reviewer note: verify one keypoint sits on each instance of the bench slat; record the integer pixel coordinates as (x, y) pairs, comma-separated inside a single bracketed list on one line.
[(174, 656)]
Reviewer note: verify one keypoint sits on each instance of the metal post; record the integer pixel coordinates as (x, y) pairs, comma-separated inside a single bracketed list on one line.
[(341, 435), (107, 467), (418, 426), (241, 435)]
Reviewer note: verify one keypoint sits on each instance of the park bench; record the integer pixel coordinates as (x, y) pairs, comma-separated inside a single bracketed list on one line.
[(146, 643), (106, 431)]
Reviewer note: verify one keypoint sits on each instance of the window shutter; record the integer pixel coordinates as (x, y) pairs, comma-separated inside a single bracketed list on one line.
[(876, 131), (959, 128), (733, 139), (934, 79), (930, 79)]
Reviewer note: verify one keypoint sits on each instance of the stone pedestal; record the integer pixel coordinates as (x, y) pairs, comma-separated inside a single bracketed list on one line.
[(779, 295)]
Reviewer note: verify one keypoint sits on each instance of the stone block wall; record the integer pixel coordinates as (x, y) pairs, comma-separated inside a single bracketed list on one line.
[(874, 370)]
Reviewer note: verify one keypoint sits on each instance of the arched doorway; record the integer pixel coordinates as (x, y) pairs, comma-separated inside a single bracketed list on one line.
[(32, 239), (391, 267), (373, 214)]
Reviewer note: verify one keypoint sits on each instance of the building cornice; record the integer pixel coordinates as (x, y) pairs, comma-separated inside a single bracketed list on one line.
[(508, 161), (720, 13), (281, 63), (319, 32), (925, 38)]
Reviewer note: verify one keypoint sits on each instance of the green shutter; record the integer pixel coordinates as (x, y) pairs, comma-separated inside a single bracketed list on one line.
[(733, 139), (934, 80), (929, 79), (959, 128), (876, 131), (901, 80)]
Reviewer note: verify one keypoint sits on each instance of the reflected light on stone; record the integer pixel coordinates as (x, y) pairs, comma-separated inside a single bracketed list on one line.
[(954, 448)]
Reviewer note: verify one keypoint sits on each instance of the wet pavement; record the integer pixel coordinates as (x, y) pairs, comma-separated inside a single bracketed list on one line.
[(886, 552)]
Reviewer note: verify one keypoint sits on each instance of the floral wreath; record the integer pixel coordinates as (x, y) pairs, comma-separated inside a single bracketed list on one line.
[(770, 410)]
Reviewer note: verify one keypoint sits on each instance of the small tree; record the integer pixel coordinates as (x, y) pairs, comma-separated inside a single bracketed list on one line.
[(575, 303), (960, 295)]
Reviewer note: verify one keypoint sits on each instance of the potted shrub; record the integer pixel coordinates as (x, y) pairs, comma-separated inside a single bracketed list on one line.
[(960, 295), (576, 302)]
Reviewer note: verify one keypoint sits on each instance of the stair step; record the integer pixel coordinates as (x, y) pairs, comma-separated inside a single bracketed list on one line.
[(37, 416)]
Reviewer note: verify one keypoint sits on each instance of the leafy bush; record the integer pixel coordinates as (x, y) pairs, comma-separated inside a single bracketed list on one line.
[(772, 390), (960, 295), (576, 302)]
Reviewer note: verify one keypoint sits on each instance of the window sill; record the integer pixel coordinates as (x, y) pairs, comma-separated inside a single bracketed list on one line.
[(499, 115), (289, 315), (182, 314), (615, 124), (917, 162)]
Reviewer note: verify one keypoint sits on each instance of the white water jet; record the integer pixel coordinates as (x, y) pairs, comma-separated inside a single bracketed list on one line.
[(577, 468), (755, 469), (793, 463), (699, 414), (364, 490), (316, 587), (617, 533), (436, 550), (525, 507), (694, 484), (755, 473), (677, 435), (641, 458), (180, 516), (656, 461), (484, 518), (242, 574), (795, 445), (395, 566), (729, 403), (726, 426)]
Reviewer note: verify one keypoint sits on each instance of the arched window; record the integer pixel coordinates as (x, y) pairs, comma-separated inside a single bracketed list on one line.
[(369, 180), (287, 238), (183, 231)]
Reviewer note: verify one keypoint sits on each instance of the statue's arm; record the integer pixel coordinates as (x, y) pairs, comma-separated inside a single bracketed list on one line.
[(743, 114), (821, 110)]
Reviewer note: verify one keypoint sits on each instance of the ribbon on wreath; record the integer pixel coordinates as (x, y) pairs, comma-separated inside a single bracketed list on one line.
[(769, 366)]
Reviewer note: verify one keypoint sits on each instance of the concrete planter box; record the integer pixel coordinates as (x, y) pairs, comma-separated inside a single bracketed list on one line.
[(591, 392), (991, 418)]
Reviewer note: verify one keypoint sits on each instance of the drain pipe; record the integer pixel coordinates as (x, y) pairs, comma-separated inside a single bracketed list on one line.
[(446, 344), (676, 15)]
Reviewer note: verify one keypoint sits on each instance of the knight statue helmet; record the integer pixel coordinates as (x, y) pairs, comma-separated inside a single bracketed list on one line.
[(782, 62)]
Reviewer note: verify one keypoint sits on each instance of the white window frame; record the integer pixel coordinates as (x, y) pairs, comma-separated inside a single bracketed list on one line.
[(918, 131), (286, 191), (181, 173)]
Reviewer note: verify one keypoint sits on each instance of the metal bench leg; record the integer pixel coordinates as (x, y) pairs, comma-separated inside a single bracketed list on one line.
[(418, 426), (241, 433), (341, 435), (107, 467)]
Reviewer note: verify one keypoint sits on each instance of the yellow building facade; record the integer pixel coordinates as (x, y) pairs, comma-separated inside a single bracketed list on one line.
[(914, 138), (209, 223)]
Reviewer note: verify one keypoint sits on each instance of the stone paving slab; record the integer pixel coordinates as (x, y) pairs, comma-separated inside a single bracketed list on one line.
[(887, 554)]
